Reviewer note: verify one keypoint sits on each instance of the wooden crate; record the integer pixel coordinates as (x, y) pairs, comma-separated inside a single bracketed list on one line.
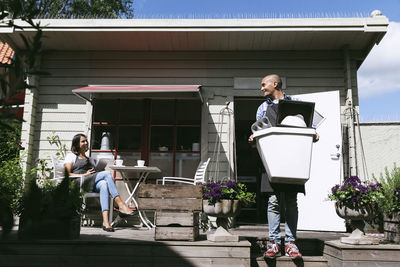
[(177, 209)]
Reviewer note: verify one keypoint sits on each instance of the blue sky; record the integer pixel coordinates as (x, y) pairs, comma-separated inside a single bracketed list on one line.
[(378, 77)]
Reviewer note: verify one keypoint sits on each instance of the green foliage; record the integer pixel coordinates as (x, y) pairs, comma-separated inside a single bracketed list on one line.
[(391, 190), (72, 8), (354, 193), (61, 148), (216, 191), (42, 170), (11, 182), (51, 201), (10, 137)]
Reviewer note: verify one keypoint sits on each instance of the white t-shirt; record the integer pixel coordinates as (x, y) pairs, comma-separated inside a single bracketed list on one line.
[(70, 158)]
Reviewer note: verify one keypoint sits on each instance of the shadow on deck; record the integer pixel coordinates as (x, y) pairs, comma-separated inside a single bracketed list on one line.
[(129, 246)]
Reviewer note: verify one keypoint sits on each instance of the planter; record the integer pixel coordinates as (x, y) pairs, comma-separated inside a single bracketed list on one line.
[(391, 227), (357, 217), (354, 214), (50, 228), (223, 209)]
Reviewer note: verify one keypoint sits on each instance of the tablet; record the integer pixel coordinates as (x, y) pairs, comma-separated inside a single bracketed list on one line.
[(100, 165)]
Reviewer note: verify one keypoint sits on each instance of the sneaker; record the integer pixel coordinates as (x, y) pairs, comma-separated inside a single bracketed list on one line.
[(273, 250), (292, 251)]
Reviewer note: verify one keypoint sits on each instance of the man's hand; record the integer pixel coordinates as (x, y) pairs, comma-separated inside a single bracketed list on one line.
[(316, 137), (251, 139)]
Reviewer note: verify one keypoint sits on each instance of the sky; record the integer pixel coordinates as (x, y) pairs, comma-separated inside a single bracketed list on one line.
[(378, 76)]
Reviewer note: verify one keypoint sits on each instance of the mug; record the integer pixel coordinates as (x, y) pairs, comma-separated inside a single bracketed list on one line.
[(118, 162), (140, 163)]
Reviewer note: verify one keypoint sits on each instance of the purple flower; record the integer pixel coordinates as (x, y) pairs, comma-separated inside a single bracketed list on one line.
[(335, 189), (231, 184)]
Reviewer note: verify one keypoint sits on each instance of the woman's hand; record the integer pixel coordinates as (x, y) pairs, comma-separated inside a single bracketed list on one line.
[(89, 172)]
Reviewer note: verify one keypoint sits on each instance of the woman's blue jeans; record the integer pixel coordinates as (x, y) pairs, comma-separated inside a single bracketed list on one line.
[(104, 184), (274, 216)]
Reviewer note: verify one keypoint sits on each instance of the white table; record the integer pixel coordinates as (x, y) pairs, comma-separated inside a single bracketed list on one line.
[(143, 172)]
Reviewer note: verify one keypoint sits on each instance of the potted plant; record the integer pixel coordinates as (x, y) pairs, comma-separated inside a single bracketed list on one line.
[(50, 211), (390, 205), (357, 201), (223, 199)]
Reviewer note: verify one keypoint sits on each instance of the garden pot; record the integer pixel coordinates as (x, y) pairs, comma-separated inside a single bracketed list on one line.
[(354, 214), (223, 209), (391, 227), (49, 228), (357, 217)]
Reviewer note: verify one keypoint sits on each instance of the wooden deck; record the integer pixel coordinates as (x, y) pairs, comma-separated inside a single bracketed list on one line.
[(131, 246)]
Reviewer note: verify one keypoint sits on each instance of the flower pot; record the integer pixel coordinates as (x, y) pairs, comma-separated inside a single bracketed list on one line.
[(357, 217), (391, 227), (222, 209), (354, 214)]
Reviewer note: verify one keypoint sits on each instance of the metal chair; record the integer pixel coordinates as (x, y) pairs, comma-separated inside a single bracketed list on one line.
[(199, 176), (58, 175)]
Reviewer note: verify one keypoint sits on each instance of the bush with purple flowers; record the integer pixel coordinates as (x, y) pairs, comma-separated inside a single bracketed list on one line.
[(354, 193), (216, 191), (391, 190)]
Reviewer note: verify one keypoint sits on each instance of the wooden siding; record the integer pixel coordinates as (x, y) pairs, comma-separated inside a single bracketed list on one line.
[(60, 111)]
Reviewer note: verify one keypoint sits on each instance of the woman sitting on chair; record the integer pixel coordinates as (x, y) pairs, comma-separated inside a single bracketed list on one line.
[(78, 164)]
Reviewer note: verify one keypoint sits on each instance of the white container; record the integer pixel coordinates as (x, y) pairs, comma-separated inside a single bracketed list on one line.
[(286, 153)]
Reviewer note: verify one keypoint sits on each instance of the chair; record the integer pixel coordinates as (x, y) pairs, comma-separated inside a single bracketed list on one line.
[(58, 175), (199, 176)]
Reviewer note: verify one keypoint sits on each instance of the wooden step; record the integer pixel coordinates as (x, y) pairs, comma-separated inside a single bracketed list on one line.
[(284, 261)]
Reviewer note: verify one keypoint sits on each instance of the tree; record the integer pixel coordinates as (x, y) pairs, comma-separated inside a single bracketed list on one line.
[(71, 8)]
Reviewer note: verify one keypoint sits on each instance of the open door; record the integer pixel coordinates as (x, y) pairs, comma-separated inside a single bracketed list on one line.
[(315, 211)]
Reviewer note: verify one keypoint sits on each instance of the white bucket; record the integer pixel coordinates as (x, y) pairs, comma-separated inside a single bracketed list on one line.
[(286, 153)]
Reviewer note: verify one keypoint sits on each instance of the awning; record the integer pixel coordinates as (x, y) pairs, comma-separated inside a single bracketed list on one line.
[(91, 92)]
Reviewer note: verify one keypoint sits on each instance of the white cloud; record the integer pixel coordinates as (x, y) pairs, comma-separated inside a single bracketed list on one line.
[(380, 72)]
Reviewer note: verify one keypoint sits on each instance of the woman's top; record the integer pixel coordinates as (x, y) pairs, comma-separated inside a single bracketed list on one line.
[(81, 166)]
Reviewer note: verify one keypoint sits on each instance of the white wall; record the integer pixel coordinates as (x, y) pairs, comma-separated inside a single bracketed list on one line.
[(381, 142)]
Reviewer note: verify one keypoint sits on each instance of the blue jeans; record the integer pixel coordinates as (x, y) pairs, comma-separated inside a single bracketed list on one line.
[(274, 216), (104, 183)]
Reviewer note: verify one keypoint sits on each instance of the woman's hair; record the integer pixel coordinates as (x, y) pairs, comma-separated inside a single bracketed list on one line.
[(75, 147)]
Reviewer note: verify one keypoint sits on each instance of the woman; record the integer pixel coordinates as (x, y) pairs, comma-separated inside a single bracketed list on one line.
[(78, 164)]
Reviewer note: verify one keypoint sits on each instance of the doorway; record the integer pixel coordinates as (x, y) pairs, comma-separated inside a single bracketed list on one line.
[(249, 165)]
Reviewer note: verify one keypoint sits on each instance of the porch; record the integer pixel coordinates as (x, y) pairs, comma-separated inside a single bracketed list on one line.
[(135, 246)]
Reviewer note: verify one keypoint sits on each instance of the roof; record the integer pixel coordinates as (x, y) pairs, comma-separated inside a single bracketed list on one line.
[(6, 53), (206, 34)]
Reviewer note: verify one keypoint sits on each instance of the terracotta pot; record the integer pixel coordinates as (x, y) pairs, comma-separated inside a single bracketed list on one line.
[(354, 214), (224, 208)]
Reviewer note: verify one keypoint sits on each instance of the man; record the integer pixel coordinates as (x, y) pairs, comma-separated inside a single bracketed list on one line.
[(278, 194)]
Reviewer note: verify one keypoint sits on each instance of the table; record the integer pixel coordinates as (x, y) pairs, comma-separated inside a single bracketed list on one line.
[(143, 173)]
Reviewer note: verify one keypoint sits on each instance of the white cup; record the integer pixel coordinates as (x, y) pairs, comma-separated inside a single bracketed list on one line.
[(140, 163), (118, 162)]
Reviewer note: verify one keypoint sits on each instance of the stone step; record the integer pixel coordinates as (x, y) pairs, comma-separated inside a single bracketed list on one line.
[(284, 261)]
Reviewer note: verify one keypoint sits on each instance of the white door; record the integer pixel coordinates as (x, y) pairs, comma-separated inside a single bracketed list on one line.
[(315, 211)]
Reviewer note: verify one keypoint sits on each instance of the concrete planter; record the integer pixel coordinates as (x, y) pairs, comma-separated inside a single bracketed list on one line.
[(223, 209), (357, 217), (391, 227), (354, 214)]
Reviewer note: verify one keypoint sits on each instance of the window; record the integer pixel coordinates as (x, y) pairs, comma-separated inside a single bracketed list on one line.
[(165, 133)]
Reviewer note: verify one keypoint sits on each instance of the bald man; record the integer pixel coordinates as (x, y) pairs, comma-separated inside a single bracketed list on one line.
[(271, 86)]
